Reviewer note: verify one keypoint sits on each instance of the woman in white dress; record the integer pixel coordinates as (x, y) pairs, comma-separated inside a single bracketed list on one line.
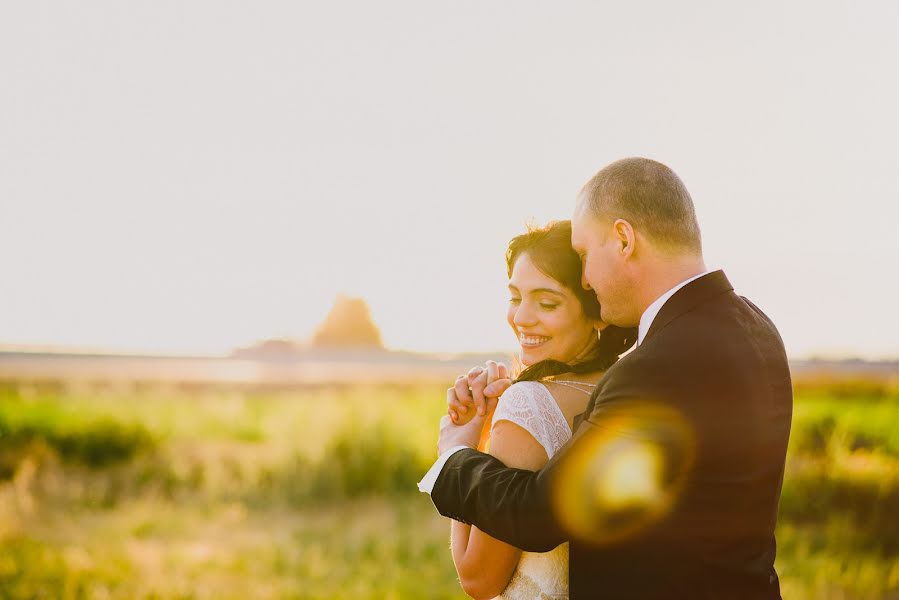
[(557, 324)]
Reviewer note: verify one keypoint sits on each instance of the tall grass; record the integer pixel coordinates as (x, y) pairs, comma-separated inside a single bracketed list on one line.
[(136, 492)]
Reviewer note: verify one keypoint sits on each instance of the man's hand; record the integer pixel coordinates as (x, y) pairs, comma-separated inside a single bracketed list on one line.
[(477, 392), (459, 435)]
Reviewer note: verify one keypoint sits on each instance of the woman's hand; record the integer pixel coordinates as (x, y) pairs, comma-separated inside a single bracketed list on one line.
[(477, 392)]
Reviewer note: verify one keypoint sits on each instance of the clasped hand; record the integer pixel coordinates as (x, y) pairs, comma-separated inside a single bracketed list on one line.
[(470, 404)]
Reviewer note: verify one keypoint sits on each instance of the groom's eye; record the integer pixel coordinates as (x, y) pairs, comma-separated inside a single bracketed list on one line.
[(548, 306)]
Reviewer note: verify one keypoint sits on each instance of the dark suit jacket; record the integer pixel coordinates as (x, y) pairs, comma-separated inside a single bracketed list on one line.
[(719, 362)]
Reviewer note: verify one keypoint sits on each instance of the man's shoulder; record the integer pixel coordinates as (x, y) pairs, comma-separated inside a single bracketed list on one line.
[(641, 358), (637, 369), (724, 321), (691, 338)]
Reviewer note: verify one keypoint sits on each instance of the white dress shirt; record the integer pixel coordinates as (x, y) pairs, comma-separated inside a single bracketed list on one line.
[(427, 482)]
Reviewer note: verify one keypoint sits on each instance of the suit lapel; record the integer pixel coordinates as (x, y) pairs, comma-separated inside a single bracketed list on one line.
[(688, 297)]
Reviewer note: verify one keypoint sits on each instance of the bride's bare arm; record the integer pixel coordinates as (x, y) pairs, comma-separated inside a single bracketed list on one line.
[(484, 564)]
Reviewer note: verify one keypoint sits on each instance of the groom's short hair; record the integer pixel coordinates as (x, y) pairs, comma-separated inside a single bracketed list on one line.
[(649, 196)]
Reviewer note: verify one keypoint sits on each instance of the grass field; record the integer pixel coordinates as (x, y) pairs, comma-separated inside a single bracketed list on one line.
[(130, 492)]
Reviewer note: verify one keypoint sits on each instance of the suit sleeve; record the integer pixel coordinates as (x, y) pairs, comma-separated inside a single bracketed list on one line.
[(515, 505), (512, 505)]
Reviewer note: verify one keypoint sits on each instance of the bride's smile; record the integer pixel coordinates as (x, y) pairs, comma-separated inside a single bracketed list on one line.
[(532, 341)]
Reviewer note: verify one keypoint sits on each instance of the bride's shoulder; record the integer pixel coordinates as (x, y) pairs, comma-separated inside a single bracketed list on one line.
[(522, 394), (521, 389), (528, 405)]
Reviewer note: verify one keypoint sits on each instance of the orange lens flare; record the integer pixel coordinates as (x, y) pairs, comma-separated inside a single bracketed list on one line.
[(625, 472)]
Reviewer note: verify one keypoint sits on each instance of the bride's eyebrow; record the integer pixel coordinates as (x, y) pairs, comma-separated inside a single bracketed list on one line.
[(547, 290), (512, 288)]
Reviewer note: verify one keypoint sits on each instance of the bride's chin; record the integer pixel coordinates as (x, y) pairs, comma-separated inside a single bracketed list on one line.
[(529, 358)]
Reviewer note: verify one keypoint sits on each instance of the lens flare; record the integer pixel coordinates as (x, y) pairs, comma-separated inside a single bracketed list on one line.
[(624, 473), (632, 476)]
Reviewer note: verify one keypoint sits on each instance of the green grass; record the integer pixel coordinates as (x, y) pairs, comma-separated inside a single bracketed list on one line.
[(225, 492), (823, 423), (372, 548)]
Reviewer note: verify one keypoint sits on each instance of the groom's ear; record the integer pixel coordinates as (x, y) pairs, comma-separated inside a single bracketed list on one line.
[(625, 237)]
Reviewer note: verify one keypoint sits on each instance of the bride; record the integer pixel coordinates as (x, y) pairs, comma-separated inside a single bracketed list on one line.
[(556, 322)]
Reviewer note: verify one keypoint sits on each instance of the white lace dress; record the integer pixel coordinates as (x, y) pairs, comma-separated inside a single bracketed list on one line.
[(530, 405)]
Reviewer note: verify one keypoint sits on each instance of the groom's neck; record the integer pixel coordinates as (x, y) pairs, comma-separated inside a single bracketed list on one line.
[(666, 272)]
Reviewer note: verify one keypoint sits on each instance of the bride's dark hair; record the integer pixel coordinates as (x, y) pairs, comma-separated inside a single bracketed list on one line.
[(549, 248)]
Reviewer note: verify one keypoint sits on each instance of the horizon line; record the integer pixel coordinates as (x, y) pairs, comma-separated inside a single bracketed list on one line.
[(88, 350)]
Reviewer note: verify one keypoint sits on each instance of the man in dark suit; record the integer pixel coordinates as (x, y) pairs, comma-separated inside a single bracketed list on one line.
[(670, 484)]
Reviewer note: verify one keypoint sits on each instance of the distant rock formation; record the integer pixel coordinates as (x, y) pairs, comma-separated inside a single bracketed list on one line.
[(278, 349), (348, 325)]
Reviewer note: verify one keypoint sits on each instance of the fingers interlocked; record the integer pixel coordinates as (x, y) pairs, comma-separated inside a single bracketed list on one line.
[(478, 390)]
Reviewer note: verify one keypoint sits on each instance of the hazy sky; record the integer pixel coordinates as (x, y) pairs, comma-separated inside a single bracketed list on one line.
[(192, 176)]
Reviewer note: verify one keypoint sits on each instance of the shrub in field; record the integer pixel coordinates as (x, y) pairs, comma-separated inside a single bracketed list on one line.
[(101, 443), (814, 494), (96, 443), (827, 425), (812, 435), (373, 459), (359, 460), (855, 389)]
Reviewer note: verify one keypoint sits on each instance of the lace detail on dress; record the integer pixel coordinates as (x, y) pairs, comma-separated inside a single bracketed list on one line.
[(542, 575), (529, 404)]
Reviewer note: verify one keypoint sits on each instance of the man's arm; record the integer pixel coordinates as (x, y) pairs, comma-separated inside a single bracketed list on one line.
[(512, 505), (517, 506), (463, 398)]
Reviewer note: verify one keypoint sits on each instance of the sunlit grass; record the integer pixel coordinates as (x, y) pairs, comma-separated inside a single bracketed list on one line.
[(310, 493), (246, 494), (373, 548)]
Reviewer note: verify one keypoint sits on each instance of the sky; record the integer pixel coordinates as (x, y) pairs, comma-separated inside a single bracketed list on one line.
[(193, 176)]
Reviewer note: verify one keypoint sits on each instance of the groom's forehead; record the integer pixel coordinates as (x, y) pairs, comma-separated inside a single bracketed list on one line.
[(584, 215), (582, 224), (579, 216)]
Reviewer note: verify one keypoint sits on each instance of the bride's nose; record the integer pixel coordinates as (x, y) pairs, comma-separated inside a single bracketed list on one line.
[(524, 315)]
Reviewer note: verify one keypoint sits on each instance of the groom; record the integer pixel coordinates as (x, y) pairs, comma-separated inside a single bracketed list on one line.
[(670, 484)]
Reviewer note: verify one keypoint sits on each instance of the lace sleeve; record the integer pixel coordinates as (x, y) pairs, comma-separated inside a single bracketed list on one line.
[(527, 404)]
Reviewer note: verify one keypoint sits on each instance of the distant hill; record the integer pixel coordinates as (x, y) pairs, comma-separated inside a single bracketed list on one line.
[(348, 325), (347, 331), (278, 349)]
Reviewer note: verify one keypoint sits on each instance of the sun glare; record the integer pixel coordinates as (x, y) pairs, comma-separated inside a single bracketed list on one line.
[(625, 473), (632, 478)]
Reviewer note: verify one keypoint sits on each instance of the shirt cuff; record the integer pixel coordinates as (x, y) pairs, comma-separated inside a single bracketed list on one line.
[(427, 482)]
